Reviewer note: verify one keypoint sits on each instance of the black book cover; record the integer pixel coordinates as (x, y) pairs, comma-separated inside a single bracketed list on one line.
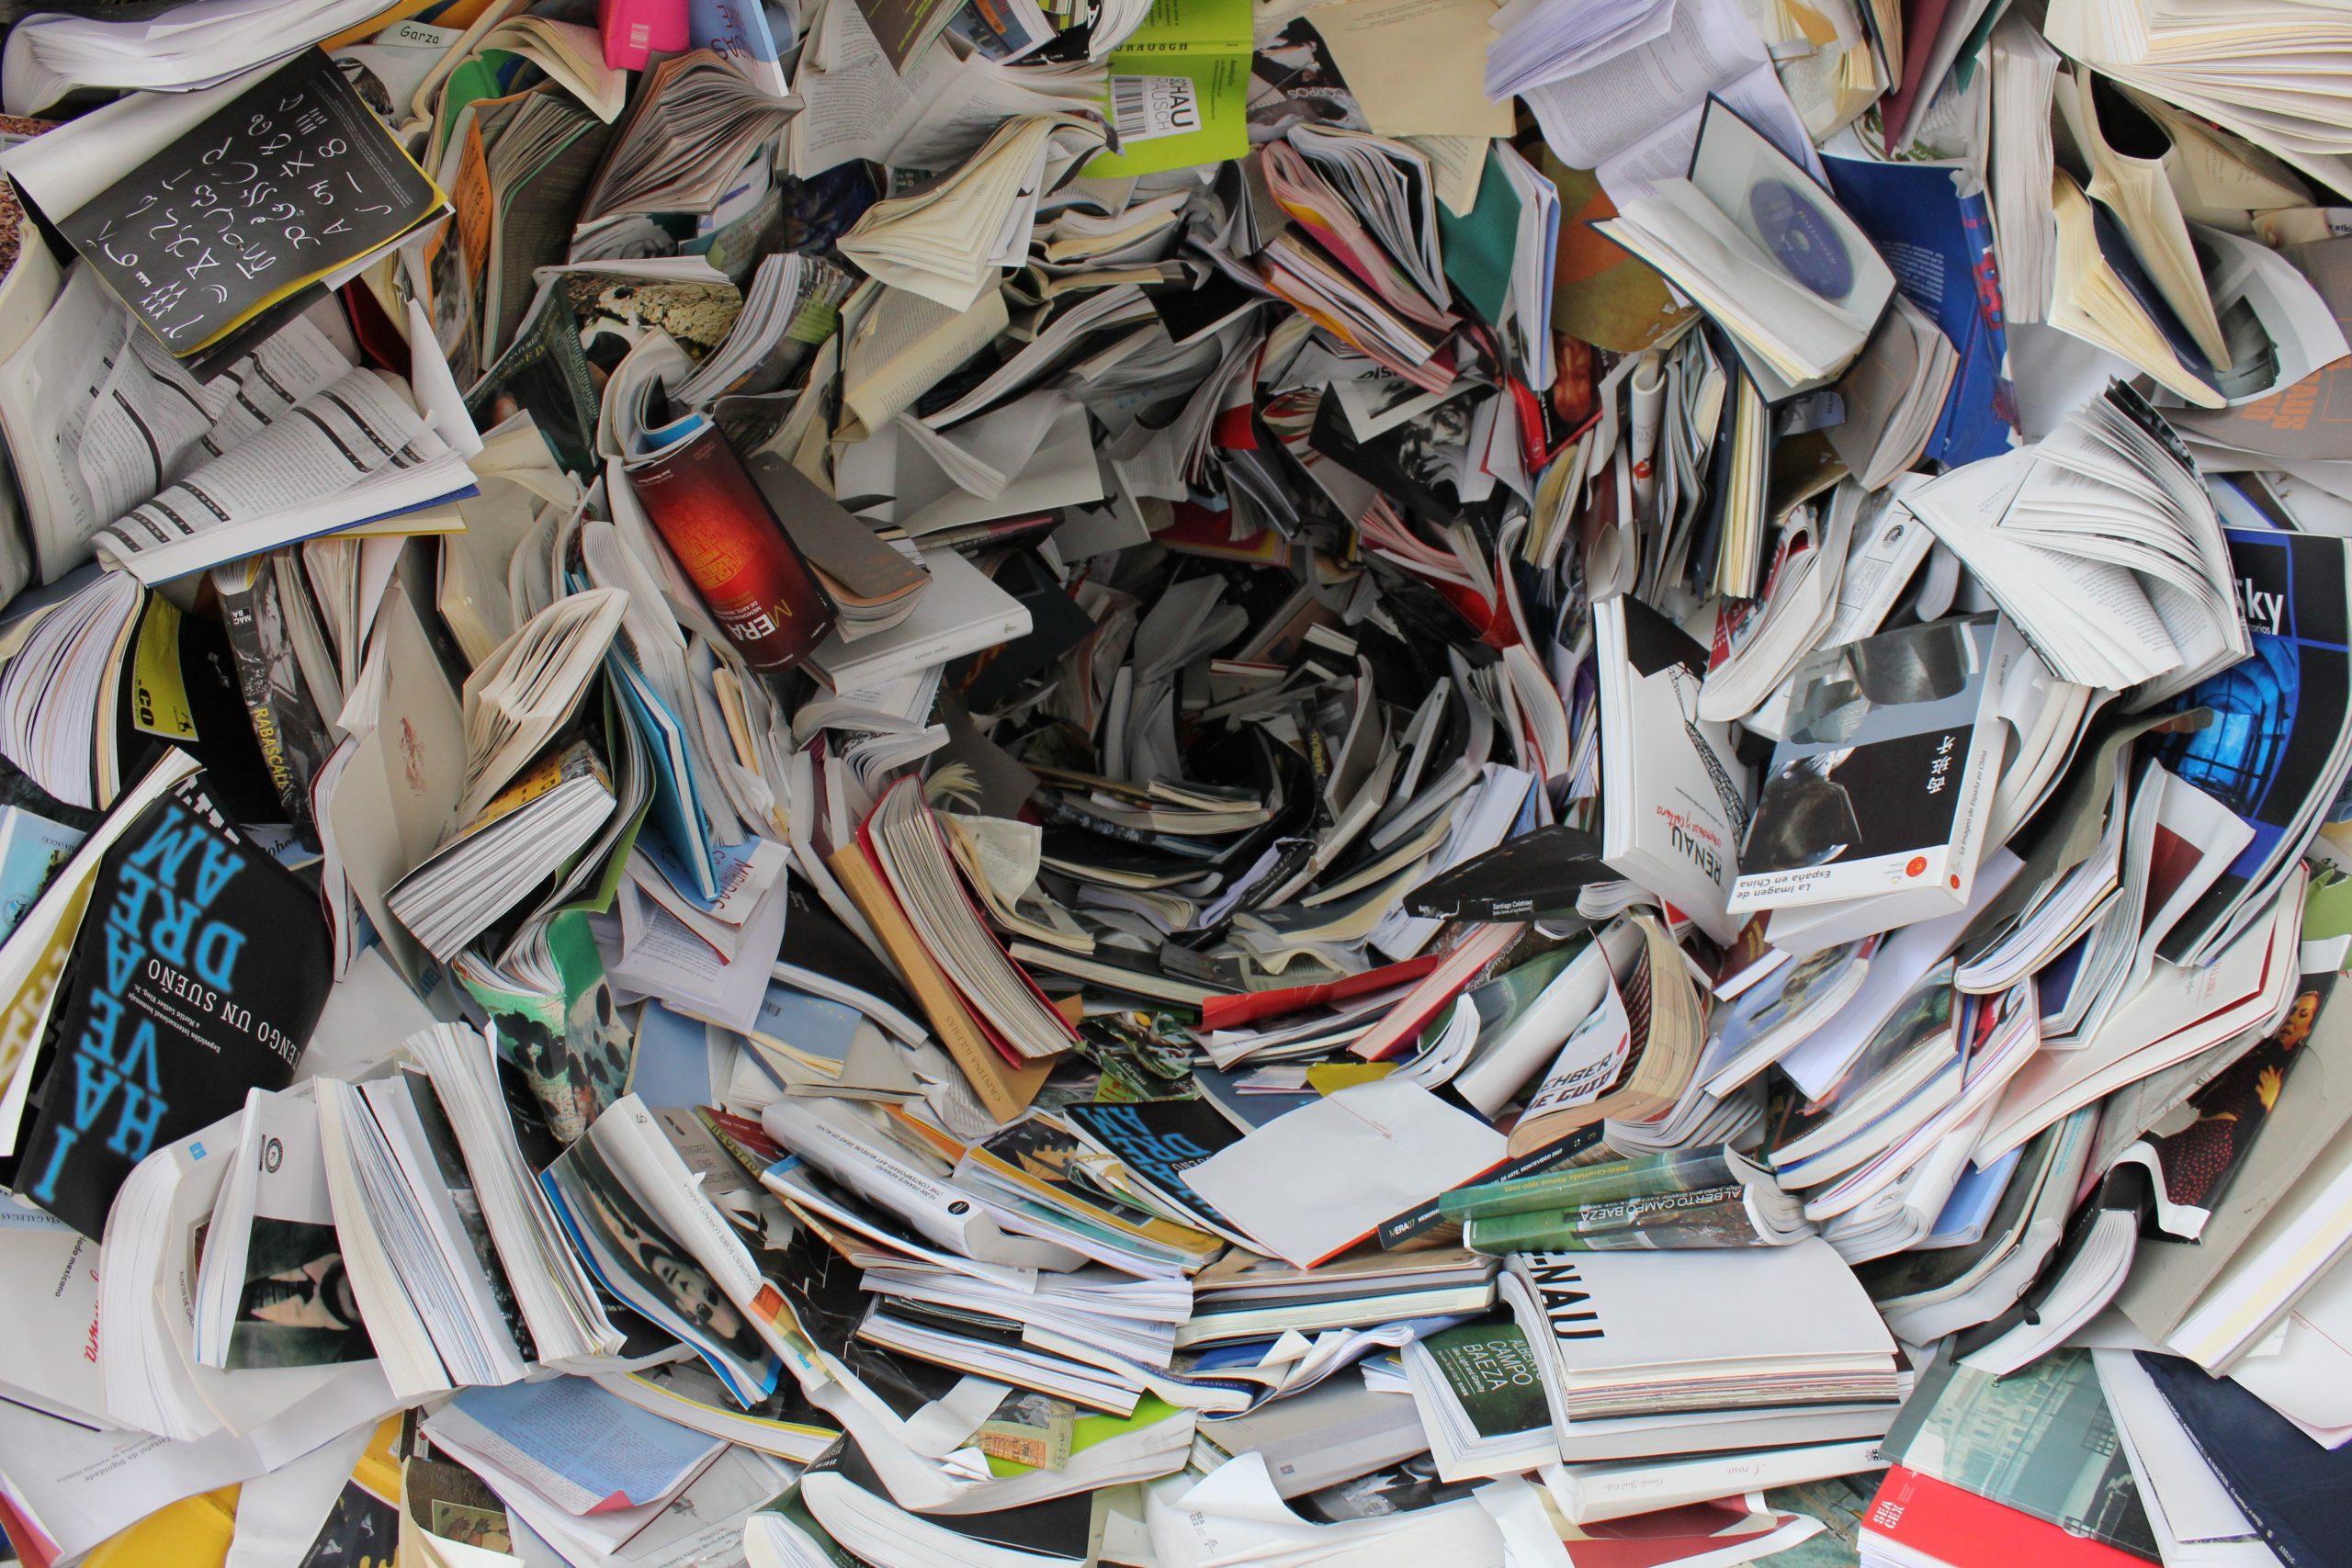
[(2124, 1189), (179, 686), (828, 1302), (1057, 625), (1535, 877), (292, 735), (2290, 1486), (1158, 1141), (2115, 249), (199, 972), (818, 943), (334, 186)]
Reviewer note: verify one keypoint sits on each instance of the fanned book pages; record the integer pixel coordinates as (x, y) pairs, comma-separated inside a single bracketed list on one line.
[(1171, 783)]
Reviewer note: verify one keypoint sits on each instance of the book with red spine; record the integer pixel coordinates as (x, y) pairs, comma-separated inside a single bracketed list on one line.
[(1249, 1007)]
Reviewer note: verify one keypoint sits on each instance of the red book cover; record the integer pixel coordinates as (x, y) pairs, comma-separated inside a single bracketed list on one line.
[(1963, 1530), (636, 30), (745, 567), (1249, 1007)]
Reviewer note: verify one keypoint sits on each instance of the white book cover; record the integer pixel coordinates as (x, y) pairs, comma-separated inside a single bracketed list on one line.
[(1629, 1314), (1676, 796), (1885, 780), (962, 612)]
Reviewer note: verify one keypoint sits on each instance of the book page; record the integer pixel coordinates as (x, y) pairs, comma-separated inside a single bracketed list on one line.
[(1590, 117), (348, 431)]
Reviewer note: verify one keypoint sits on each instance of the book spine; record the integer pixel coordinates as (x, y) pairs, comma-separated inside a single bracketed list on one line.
[(1712, 1217), (240, 588), (1672, 1171)]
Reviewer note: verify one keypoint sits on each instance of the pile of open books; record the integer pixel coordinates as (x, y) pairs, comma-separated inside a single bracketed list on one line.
[(1036, 784)]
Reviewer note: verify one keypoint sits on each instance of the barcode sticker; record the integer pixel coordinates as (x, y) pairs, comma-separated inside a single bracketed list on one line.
[(1144, 107)]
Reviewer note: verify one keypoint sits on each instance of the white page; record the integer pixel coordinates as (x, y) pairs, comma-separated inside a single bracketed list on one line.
[(1817, 1062), (1592, 116), (1311, 1183), (2195, 1502)]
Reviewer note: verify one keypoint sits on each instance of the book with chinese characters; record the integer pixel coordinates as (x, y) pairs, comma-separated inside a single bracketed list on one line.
[(1882, 782)]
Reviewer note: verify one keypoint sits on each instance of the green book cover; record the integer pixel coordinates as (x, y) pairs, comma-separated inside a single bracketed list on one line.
[(1089, 1430), (1710, 1216), (1179, 89), (2040, 1440), (1479, 246), (1492, 1372), (1644, 1176), (1500, 1002)]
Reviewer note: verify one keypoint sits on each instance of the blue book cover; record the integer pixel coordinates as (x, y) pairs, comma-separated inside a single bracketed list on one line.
[(676, 814), (740, 31), (1939, 244), (199, 972), (2270, 753), (815, 1027), (2291, 1488)]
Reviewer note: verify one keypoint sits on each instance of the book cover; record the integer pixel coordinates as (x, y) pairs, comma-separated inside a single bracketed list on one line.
[(31, 850), (1179, 89), (2291, 1487), (741, 561), (826, 957), (634, 30), (293, 736), (1939, 240), (177, 686), (1493, 1376), (626, 1248), (2123, 263), (1619, 1316), (1942, 1523), (199, 971), (2040, 1440), (1534, 877), (1882, 781), (1158, 1141), (1676, 826), (328, 184), (295, 1305), (2276, 742)]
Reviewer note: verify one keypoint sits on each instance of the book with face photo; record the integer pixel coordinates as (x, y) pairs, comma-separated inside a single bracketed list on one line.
[(1883, 781), (629, 1253), (294, 1302)]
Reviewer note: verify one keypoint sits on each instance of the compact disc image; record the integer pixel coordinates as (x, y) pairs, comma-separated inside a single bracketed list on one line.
[(1797, 231)]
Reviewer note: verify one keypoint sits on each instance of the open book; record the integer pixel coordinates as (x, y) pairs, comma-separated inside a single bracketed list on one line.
[(1765, 251)]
